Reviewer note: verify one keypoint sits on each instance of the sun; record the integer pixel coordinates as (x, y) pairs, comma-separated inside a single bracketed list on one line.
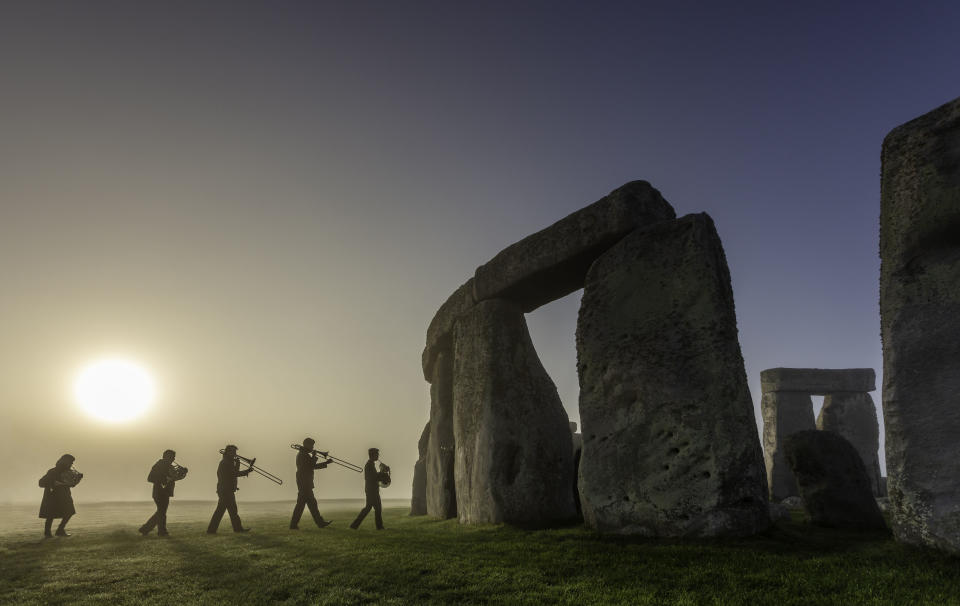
[(114, 390)]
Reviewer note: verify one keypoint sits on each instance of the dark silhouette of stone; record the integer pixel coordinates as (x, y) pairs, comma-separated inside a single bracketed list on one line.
[(832, 480), (854, 416), (441, 326), (784, 413), (577, 444), (818, 381), (553, 262), (441, 488), (920, 325), (513, 450), (670, 445), (418, 502)]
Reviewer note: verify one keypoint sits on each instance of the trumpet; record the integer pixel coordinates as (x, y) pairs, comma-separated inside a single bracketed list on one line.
[(176, 473), (71, 477), (384, 475), (326, 455), (259, 470)]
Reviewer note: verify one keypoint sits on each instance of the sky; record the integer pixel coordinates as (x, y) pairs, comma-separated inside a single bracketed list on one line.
[(264, 203)]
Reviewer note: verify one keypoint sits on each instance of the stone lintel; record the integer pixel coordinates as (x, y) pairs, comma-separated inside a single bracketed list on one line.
[(818, 381), (441, 327), (553, 262)]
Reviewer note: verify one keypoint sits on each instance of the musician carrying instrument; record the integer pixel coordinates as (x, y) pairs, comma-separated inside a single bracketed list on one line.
[(326, 455), (254, 468), (176, 473)]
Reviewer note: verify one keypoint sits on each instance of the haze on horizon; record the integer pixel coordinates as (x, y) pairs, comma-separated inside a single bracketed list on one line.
[(265, 204)]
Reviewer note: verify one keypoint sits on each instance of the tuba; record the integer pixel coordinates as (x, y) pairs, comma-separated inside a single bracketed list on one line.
[(71, 477), (384, 475), (176, 473)]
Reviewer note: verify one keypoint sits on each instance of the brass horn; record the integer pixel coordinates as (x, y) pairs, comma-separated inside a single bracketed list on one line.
[(326, 455), (259, 470)]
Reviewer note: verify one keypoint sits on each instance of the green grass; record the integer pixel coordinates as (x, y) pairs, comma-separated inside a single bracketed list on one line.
[(422, 560)]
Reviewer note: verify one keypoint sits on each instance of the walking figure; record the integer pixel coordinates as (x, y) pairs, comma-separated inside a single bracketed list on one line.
[(227, 473), (163, 475), (306, 464), (371, 486), (57, 501)]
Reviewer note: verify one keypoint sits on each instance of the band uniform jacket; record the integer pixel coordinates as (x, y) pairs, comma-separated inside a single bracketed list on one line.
[(159, 474), (305, 466), (371, 478), (57, 501), (227, 474)]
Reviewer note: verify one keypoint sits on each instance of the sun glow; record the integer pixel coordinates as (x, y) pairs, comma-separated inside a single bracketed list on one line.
[(114, 390)]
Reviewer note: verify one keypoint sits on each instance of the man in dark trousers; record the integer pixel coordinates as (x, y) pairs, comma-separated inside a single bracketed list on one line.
[(306, 464), (57, 501), (227, 473), (371, 486), (162, 478)]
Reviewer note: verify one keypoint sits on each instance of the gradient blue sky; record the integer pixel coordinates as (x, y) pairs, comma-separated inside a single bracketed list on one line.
[(265, 203)]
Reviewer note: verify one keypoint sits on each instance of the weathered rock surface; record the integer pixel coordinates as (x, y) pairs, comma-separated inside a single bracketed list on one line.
[(418, 500), (670, 446), (779, 511), (920, 325), (832, 480), (553, 262), (441, 488), (794, 502), (854, 416), (784, 413), (818, 381), (513, 447), (577, 451), (440, 330)]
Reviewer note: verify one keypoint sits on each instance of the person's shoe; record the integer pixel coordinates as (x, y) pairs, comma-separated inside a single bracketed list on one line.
[(324, 523), (48, 535), (164, 534), (241, 530), (62, 533), (143, 531), (380, 528), (211, 532), (354, 527), (294, 528)]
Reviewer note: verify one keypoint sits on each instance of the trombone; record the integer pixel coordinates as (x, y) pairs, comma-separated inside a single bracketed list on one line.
[(259, 470), (326, 455)]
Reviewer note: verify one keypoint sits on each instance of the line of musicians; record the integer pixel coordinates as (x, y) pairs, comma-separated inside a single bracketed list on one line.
[(58, 502)]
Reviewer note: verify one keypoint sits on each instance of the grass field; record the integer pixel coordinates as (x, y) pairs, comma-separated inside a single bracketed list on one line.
[(421, 560)]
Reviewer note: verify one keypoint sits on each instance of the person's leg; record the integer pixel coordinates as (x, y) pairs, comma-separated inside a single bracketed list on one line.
[(363, 513), (234, 514), (149, 524), (378, 511), (315, 511), (297, 510), (162, 506), (217, 515), (61, 529), (48, 528)]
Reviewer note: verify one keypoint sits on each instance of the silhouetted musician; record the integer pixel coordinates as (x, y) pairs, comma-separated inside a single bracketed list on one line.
[(227, 473), (306, 464), (371, 486), (57, 501), (163, 484)]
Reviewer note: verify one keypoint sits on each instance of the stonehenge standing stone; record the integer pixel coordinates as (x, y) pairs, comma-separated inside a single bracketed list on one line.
[(920, 325), (577, 451), (670, 446), (853, 415), (441, 488), (786, 408), (833, 481), (784, 413), (513, 447), (418, 501)]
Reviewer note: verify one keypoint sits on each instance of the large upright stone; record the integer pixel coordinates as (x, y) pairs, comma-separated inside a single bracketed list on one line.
[(854, 416), (441, 488), (784, 413), (513, 447), (920, 325), (553, 262), (670, 444), (418, 498), (833, 482)]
